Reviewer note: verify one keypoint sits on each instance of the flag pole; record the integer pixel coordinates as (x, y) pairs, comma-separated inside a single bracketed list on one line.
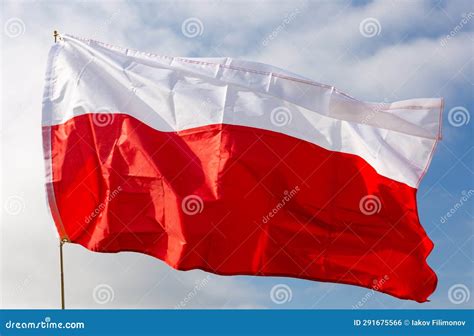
[(63, 240), (61, 243)]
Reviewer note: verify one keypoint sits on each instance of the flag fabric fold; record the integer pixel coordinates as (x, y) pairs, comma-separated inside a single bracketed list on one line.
[(236, 167)]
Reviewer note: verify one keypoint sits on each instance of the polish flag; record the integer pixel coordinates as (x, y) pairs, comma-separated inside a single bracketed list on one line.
[(236, 167)]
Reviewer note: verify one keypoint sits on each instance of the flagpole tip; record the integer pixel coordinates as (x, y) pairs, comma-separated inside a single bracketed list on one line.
[(55, 35)]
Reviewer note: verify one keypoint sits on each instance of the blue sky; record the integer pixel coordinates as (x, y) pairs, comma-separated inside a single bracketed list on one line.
[(372, 50)]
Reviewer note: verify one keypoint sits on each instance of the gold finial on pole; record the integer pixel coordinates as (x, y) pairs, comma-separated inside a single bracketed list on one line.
[(56, 36)]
